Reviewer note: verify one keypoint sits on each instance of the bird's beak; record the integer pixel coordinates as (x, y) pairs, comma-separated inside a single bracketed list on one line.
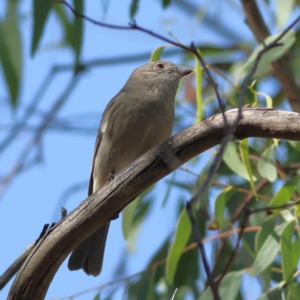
[(183, 73)]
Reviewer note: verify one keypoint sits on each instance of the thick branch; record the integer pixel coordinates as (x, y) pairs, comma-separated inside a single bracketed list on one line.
[(41, 265)]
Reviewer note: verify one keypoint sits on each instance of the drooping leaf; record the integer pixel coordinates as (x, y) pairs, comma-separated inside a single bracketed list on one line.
[(97, 297), (133, 215), (188, 270), (232, 160), (269, 100), (293, 291), (266, 229), (268, 251), (246, 161), (271, 55), (229, 287), (66, 24), (199, 99), (127, 217), (166, 3), (73, 28), (284, 9), (295, 145), (41, 9), (139, 288), (289, 252), (182, 234), (284, 194), (220, 207), (183, 292), (76, 30), (11, 51), (266, 165), (156, 53), (272, 294), (134, 8), (151, 289)]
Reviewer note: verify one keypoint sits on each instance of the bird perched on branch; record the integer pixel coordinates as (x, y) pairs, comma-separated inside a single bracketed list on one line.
[(137, 119)]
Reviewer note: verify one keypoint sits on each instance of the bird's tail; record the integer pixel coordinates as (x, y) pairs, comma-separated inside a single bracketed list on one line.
[(89, 254)]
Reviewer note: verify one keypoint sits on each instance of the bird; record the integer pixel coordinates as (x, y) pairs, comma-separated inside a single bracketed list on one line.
[(138, 118)]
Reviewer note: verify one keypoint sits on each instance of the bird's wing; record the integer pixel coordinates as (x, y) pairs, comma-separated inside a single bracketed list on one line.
[(97, 146), (100, 133)]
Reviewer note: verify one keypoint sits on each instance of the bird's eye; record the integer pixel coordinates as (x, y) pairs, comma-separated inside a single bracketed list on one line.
[(159, 66)]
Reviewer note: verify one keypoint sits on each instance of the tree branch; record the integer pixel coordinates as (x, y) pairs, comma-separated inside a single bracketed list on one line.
[(41, 265)]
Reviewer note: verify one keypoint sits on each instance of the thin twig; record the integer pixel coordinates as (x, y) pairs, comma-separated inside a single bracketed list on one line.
[(234, 252), (29, 110), (133, 26), (196, 233), (21, 163)]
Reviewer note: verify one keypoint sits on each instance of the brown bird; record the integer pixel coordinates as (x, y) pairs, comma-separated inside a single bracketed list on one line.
[(137, 119)]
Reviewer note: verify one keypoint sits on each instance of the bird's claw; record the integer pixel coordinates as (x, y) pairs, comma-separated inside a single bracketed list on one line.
[(110, 177), (116, 216)]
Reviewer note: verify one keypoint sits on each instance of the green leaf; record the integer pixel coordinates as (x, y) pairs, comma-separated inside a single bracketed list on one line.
[(266, 165), (183, 292), (290, 252), (133, 215), (134, 8), (73, 29), (166, 3), (266, 229), (233, 162), (137, 289), (156, 53), (295, 145), (182, 234), (268, 251), (245, 157), (11, 51), (229, 287), (220, 207), (41, 9), (271, 55), (66, 24), (199, 99), (127, 217), (269, 100), (284, 194), (97, 297), (187, 271), (170, 184), (266, 276), (76, 30), (266, 255), (273, 294), (294, 291), (284, 9), (62, 17), (151, 289)]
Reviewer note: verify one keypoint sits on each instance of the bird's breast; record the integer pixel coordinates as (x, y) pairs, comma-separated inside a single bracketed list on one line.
[(131, 129)]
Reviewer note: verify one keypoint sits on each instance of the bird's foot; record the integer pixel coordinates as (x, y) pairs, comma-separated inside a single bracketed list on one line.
[(116, 216), (110, 177)]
